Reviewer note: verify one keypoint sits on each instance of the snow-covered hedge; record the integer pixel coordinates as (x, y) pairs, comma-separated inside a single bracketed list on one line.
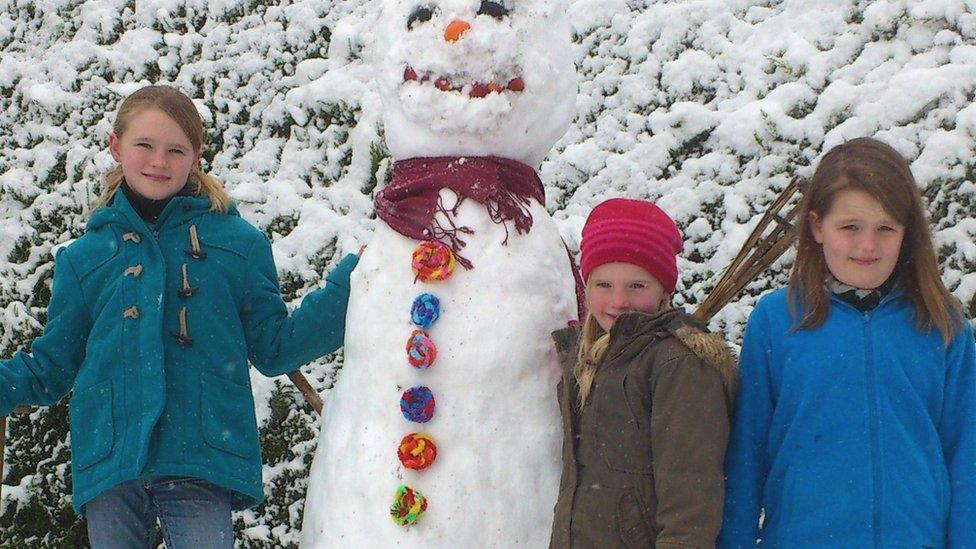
[(708, 107)]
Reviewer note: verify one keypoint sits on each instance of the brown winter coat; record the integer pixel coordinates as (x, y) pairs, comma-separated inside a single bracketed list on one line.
[(642, 462)]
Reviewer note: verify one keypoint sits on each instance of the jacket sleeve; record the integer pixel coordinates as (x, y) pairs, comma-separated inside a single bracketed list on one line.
[(958, 433), (47, 373), (567, 344), (689, 432), (746, 466), (278, 343)]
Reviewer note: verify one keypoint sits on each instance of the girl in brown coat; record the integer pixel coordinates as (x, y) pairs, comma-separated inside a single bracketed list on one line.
[(646, 395)]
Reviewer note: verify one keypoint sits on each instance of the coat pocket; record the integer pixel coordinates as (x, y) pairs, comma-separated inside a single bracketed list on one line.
[(92, 425), (227, 414), (632, 522)]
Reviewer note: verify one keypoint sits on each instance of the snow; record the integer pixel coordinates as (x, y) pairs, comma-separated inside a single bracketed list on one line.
[(705, 106)]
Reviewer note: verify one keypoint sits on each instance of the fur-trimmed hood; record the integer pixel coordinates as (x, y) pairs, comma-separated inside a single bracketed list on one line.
[(714, 351)]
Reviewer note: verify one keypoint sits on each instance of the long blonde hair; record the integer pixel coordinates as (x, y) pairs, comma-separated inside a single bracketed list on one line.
[(593, 343), (174, 104), (871, 166)]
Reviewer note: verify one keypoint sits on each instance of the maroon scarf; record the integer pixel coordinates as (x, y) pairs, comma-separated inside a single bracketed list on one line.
[(505, 187)]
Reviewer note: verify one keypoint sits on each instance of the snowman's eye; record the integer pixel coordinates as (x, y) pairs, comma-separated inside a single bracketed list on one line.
[(494, 9), (420, 15)]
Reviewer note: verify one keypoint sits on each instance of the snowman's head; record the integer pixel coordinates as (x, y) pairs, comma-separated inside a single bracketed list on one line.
[(475, 77)]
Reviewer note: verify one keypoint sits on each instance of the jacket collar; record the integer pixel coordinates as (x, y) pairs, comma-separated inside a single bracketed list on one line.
[(637, 324), (634, 332), (894, 294), (180, 210), (148, 208), (626, 328)]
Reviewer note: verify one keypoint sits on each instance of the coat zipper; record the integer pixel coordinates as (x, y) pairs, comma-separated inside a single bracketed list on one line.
[(877, 501)]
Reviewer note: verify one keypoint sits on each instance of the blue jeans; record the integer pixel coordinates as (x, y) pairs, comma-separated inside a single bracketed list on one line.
[(192, 513)]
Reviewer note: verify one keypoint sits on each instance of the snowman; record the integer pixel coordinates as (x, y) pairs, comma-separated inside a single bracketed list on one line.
[(443, 429)]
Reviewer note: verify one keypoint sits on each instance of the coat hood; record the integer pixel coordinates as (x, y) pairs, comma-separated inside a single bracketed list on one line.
[(632, 332)]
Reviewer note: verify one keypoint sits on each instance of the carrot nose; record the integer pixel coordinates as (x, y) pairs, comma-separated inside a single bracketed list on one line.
[(456, 30)]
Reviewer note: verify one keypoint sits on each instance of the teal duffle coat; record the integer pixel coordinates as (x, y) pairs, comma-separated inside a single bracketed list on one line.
[(153, 329)]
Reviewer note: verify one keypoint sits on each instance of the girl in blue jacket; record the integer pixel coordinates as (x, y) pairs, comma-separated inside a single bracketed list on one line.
[(855, 422), (155, 313)]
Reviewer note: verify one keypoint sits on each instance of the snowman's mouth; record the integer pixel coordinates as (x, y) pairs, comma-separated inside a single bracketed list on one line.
[(476, 89)]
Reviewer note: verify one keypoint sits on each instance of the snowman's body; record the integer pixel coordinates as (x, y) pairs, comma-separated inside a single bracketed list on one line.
[(496, 420)]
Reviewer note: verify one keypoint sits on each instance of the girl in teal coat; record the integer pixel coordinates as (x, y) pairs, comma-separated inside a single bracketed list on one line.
[(155, 313)]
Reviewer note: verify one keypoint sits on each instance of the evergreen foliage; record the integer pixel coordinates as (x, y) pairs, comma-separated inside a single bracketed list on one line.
[(708, 107)]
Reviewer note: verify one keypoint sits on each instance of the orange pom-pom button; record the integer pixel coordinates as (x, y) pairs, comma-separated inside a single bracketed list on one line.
[(432, 261), (417, 451)]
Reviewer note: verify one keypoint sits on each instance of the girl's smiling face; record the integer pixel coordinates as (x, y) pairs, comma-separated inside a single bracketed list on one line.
[(617, 288), (861, 240), (155, 155)]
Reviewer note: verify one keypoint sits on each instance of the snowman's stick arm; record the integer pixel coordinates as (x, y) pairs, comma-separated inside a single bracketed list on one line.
[(310, 394)]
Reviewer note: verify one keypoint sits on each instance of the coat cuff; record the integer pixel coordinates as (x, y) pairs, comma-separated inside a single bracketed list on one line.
[(340, 274)]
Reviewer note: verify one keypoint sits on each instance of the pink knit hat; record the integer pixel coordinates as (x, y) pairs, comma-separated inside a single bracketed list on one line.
[(622, 230)]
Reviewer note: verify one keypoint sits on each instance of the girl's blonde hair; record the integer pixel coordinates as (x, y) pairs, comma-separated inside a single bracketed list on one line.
[(593, 344), (181, 110), (870, 166)]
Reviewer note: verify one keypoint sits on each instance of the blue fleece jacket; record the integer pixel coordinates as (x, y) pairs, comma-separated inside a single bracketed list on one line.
[(153, 330), (860, 433)]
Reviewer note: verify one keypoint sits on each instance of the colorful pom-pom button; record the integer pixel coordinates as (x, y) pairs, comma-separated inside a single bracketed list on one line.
[(432, 261), (421, 352), (408, 506), (425, 310), (417, 404), (417, 451)]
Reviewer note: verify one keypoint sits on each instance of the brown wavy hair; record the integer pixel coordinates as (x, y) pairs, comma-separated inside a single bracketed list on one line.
[(870, 166), (174, 104)]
